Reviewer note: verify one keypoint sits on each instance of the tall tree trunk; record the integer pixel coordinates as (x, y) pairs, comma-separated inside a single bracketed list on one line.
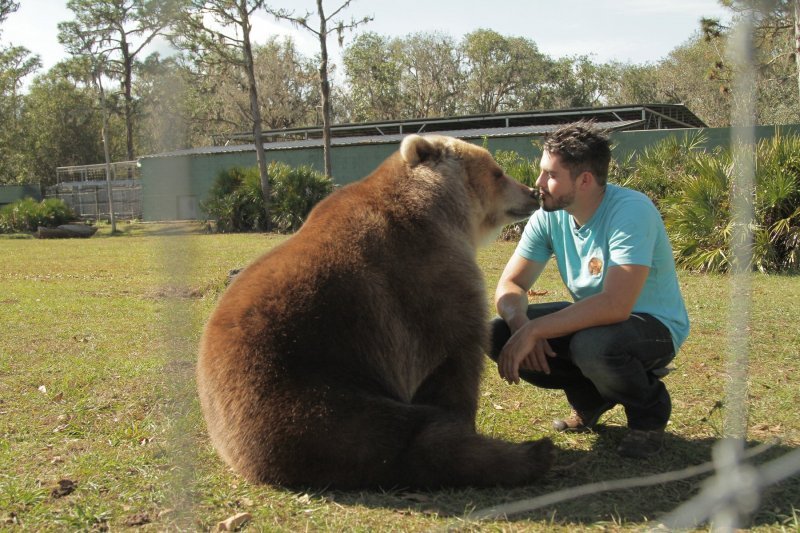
[(325, 90), (112, 219), (255, 110), (797, 43), (127, 82)]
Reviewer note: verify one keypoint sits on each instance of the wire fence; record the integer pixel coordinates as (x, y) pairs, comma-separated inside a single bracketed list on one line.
[(120, 170), (84, 189), (89, 199)]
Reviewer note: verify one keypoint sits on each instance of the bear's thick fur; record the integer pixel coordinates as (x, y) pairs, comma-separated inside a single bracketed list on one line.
[(350, 355)]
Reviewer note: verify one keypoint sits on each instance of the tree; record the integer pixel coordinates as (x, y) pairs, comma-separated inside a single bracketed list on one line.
[(501, 71), (119, 30), (207, 106), (797, 39), (633, 84), (777, 32), (288, 82), (62, 123), (579, 82), (684, 76), (432, 75), (6, 8), (228, 47), (287, 88), (322, 33), (776, 36), (93, 52), (373, 70), (161, 85), (16, 63)]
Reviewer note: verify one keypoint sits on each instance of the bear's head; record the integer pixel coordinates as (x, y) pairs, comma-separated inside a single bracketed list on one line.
[(494, 199)]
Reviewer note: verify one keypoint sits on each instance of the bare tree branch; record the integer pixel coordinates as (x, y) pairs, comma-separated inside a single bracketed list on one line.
[(324, 83)]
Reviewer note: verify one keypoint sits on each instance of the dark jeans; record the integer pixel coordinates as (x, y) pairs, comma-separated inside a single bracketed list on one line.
[(605, 365)]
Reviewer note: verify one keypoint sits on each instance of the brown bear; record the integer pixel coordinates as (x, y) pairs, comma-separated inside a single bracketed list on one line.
[(350, 355)]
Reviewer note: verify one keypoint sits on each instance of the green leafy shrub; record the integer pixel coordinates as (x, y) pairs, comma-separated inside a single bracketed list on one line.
[(27, 215), (295, 191), (236, 199), (699, 220), (523, 170), (777, 203), (697, 216), (654, 170), (236, 202)]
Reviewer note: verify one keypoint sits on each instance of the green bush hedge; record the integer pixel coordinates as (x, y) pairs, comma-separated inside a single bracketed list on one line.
[(654, 170), (699, 219), (525, 171), (236, 200), (27, 215), (295, 191)]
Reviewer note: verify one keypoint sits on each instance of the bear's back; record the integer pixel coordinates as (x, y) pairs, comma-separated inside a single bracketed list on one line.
[(369, 258)]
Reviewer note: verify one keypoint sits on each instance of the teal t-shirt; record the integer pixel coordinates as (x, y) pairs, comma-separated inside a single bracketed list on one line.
[(626, 229)]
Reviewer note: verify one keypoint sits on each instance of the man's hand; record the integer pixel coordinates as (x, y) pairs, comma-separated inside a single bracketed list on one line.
[(524, 349)]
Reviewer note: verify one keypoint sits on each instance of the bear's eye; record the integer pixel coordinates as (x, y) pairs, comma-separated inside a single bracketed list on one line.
[(498, 174)]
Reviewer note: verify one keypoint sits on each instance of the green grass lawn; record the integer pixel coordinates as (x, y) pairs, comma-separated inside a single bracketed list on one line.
[(97, 356)]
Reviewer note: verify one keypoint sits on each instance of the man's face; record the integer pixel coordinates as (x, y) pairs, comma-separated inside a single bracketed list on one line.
[(556, 186)]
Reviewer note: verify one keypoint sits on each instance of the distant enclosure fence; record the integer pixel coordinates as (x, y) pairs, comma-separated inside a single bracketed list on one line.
[(121, 170), (84, 188)]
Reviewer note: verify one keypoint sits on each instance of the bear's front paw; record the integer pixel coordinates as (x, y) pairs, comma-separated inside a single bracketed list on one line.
[(540, 454)]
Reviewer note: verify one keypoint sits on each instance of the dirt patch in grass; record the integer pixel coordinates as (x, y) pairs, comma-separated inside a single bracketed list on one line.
[(175, 292)]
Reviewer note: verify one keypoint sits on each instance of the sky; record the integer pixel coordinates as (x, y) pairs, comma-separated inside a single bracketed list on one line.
[(632, 31)]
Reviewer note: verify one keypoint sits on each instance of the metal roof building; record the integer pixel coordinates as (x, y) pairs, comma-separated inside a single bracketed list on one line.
[(522, 123), (173, 183), (640, 117)]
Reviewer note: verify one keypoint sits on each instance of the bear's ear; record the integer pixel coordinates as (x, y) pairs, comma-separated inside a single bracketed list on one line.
[(416, 149)]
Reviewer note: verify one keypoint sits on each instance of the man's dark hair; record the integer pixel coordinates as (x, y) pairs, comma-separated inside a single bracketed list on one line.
[(581, 146)]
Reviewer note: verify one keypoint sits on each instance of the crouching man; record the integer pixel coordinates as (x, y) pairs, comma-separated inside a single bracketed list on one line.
[(628, 318)]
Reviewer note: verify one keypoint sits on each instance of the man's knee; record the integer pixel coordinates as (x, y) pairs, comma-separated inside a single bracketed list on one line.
[(499, 333), (590, 351)]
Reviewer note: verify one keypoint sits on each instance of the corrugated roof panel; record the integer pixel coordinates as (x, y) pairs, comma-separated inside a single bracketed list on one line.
[(478, 133), (655, 116)]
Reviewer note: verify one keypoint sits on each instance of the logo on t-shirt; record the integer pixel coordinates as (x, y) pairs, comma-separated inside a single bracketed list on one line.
[(595, 266)]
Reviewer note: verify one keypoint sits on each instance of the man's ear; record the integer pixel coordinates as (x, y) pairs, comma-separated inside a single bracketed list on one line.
[(586, 178)]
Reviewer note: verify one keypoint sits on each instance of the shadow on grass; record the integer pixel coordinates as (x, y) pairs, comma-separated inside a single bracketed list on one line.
[(574, 468)]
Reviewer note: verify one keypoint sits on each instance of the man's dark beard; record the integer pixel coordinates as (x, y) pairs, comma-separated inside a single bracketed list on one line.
[(565, 201)]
